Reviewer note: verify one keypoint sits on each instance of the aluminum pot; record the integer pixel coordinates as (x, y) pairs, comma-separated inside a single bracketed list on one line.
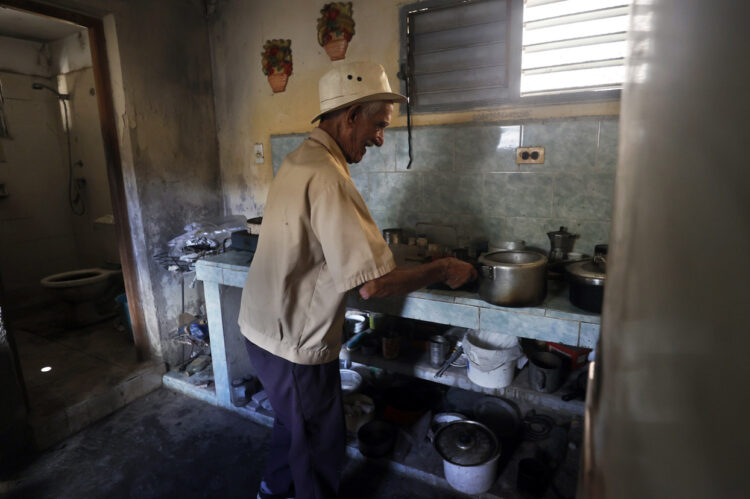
[(470, 453), (513, 278)]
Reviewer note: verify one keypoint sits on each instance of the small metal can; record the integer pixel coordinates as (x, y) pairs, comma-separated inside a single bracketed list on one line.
[(438, 350)]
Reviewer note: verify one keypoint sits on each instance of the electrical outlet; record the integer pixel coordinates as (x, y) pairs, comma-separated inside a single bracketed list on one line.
[(259, 159), (528, 155)]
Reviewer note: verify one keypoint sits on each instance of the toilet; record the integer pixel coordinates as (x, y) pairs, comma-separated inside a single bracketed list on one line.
[(82, 285), (90, 293)]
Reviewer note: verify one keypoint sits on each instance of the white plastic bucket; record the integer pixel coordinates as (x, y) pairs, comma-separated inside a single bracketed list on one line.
[(492, 358)]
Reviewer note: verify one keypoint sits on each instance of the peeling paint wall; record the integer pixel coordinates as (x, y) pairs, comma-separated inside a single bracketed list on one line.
[(24, 57), (163, 95), (247, 111)]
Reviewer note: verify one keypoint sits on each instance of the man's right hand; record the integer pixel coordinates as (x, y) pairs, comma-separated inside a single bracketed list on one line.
[(402, 280), (458, 273)]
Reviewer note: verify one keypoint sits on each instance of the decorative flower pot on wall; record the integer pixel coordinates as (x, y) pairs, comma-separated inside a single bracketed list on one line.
[(278, 81), (335, 28), (336, 49), (277, 63)]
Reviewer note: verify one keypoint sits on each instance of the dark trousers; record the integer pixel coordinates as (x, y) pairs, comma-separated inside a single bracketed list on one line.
[(308, 442)]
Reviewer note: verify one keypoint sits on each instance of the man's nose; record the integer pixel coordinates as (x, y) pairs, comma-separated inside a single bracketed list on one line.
[(379, 139)]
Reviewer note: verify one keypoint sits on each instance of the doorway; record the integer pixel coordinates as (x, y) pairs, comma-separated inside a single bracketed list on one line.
[(66, 261)]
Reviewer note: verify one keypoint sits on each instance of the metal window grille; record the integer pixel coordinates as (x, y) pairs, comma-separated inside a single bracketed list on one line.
[(573, 45), (458, 54)]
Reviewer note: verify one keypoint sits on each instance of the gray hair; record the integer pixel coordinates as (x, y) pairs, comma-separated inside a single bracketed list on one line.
[(372, 107)]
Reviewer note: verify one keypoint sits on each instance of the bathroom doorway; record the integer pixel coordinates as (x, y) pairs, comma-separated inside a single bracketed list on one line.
[(66, 257)]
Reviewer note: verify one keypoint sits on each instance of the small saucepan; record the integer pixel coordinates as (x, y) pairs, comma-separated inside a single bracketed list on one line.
[(586, 280)]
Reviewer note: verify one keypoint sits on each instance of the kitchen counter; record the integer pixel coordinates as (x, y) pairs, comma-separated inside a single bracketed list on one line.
[(554, 320), (224, 276)]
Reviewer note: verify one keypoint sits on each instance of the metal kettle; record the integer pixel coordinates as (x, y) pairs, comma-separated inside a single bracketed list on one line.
[(561, 243)]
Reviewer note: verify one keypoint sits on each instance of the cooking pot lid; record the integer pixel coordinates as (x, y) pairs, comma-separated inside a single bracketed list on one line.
[(466, 443), (512, 258), (562, 233), (587, 272)]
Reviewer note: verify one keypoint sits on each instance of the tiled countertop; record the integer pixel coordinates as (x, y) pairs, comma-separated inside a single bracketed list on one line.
[(555, 320)]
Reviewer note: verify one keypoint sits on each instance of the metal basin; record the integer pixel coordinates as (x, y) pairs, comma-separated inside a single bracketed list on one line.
[(513, 278)]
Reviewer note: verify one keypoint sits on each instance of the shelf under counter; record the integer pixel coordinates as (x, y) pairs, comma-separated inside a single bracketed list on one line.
[(556, 319), (416, 364)]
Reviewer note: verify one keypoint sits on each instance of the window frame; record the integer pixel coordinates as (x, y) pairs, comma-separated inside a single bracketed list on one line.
[(515, 33)]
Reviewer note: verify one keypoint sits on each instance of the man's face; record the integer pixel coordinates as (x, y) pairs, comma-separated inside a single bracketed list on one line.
[(367, 131)]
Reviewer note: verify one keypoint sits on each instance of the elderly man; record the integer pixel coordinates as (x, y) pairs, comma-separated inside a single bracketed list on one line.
[(317, 242)]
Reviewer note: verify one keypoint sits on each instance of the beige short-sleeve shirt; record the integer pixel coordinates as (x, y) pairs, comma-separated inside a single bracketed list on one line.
[(317, 241)]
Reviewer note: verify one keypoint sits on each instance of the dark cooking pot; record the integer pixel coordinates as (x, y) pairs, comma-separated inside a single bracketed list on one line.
[(376, 438), (586, 280)]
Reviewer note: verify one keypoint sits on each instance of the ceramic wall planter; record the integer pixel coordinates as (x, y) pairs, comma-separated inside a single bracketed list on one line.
[(277, 63), (335, 29), (278, 81), (336, 49)]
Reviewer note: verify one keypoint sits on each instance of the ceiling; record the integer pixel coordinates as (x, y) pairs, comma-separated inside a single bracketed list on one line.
[(19, 24)]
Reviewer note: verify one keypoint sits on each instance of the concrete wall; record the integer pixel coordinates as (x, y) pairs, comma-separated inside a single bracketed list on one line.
[(25, 57), (248, 112), (70, 53), (95, 243), (163, 96)]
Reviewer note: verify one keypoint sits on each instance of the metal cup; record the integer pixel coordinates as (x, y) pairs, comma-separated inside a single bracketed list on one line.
[(438, 350), (545, 371)]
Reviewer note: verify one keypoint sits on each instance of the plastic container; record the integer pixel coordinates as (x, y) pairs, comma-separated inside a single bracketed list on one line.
[(350, 381), (122, 301), (492, 358)]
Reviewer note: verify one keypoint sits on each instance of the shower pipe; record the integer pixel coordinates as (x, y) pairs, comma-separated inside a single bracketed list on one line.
[(71, 201)]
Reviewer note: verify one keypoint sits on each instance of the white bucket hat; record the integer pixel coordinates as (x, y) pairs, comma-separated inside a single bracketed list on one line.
[(352, 83)]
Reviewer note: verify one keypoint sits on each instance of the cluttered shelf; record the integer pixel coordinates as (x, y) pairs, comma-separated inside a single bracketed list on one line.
[(556, 319), (412, 451), (416, 363)]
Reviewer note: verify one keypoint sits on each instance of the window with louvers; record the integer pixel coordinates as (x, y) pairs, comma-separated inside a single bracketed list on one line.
[(467, 54), (458, 54), (573, 45)]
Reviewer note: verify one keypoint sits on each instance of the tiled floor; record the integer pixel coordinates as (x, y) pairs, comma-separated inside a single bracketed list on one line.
[(84, 362)]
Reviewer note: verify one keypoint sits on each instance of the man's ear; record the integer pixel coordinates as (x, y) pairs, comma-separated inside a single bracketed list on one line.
[(353, 113)]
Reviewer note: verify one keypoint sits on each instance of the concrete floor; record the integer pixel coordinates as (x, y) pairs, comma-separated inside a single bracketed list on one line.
[(85, 361), (93, 371), (167, 445)]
